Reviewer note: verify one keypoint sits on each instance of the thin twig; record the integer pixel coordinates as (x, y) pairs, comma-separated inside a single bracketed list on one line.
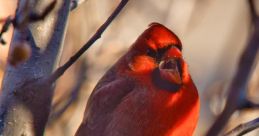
[(2, 20), (252, 8), (30, 18), (239, 83), (59, 107), (96, 36), (74, 4), (33, 17), (248, 104), (244, 128), (5, 28)]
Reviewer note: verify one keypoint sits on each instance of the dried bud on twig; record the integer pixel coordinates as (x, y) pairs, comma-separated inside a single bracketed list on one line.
[(20, 53)]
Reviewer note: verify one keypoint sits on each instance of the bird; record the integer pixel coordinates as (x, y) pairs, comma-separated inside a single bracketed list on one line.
[(147, 92)]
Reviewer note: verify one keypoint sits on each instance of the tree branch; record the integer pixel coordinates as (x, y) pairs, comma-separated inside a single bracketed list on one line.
[(239, 82), (31, 17), (24, 18), (60, 107), (252, 8), (248, 104), (5, 28), (26, 94), (96, 36), (244, 128), (74, 4)]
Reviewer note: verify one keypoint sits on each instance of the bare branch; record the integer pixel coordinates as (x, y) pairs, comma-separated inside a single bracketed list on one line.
[(30, 16), (26, 94), (252, 10), (239, 82), (244, 128), (33, 17), (27, 17), (96, 36), (74, 4), (248, 104), (5, 27), (59, 107)]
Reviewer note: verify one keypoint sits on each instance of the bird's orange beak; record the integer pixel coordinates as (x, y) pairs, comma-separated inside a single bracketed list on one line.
[(170, 68), (170, 71)]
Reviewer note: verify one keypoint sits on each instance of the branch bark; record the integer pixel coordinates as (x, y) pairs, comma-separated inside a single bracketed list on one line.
[(26, 94)]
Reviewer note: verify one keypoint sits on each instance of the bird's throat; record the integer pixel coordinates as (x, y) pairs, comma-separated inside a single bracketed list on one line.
[(162, 83)]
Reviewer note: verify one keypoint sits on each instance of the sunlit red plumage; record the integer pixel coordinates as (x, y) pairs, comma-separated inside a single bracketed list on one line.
[(148, 92)]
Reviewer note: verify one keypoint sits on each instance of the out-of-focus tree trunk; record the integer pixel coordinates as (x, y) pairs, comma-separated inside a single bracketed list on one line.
[(26, 92)]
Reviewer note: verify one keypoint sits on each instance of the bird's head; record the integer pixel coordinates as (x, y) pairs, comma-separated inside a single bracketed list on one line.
[(157, 52)]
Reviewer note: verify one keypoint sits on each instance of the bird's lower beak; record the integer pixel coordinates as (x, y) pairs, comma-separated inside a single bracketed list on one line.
[(170, 71)]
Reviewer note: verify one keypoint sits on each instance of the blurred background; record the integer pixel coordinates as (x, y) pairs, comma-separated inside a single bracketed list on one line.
[(213, 33)]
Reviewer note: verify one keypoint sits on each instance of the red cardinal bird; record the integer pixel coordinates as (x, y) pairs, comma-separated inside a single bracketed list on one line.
[(148, 92)]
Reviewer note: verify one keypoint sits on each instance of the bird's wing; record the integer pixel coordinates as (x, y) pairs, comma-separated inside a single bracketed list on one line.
[(104, 99)]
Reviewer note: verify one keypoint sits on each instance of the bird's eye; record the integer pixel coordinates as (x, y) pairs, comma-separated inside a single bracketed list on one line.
[(151, 53), (162, 51)]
